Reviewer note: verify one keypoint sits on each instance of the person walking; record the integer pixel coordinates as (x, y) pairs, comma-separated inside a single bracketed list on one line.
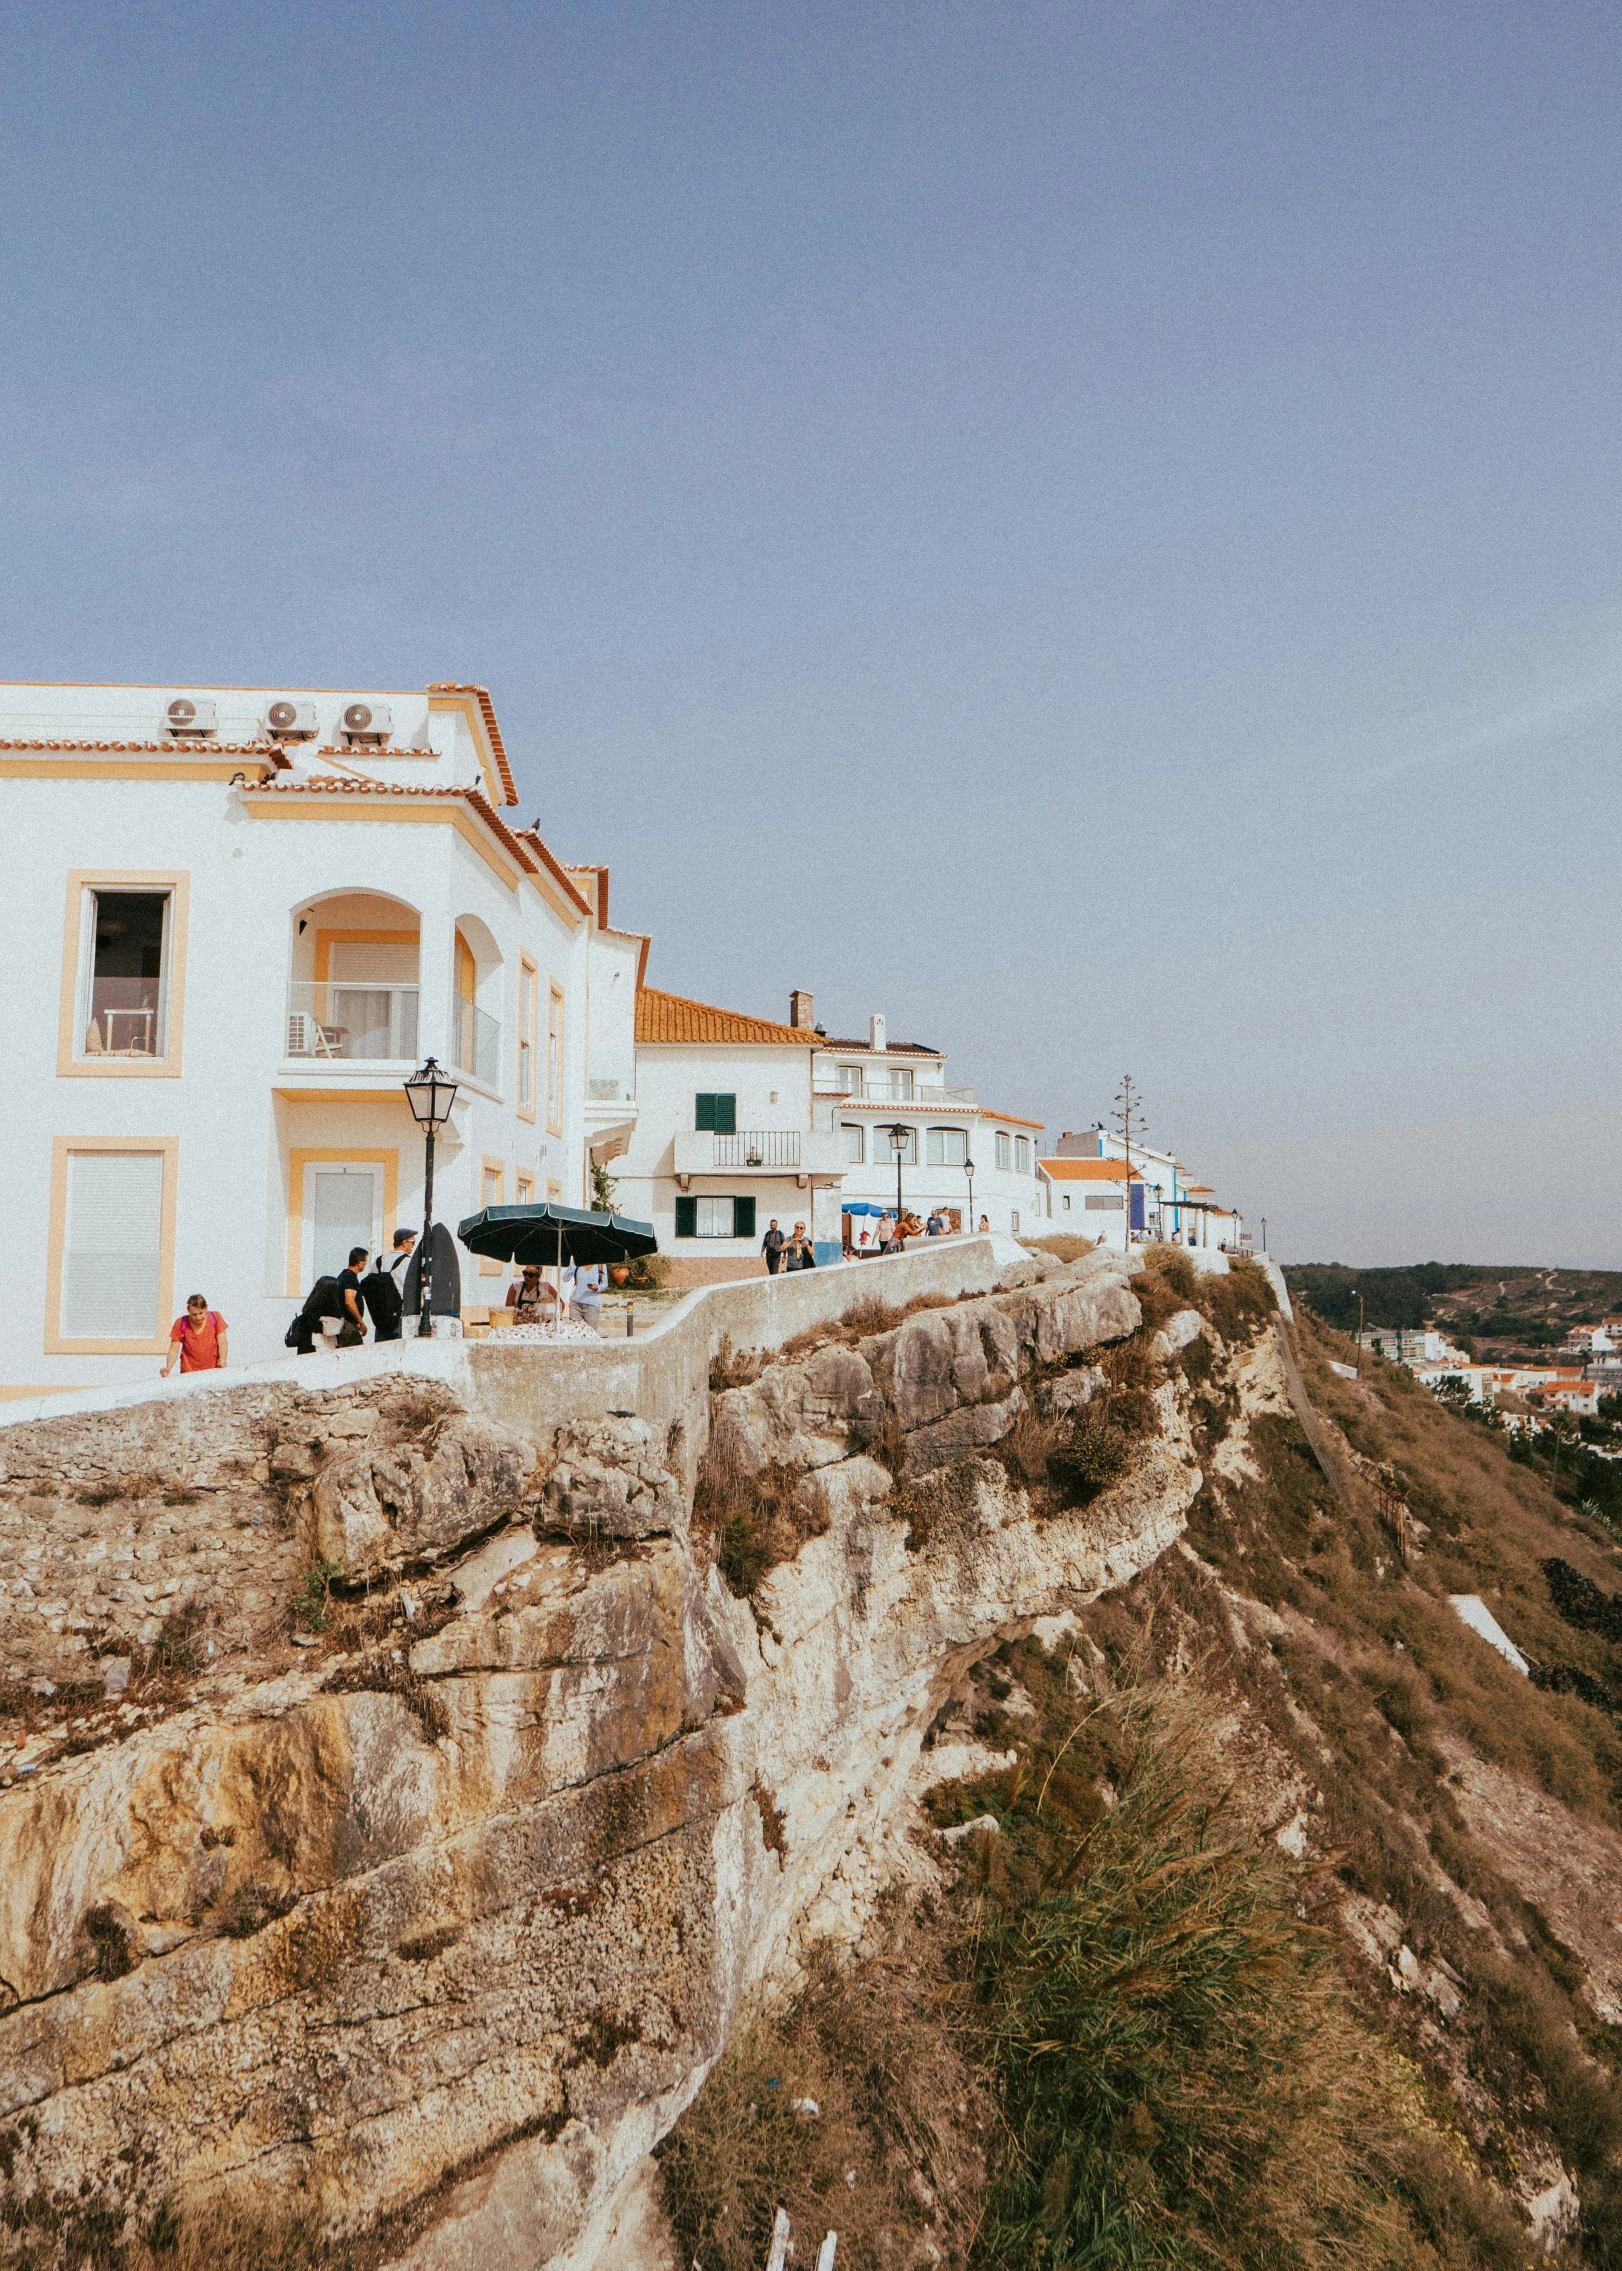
[(934, 1226), (380, 1289), (322, 1300), (586, 1295), (805, 1257), (772, 1247), (353, 1330), (197, 1338)]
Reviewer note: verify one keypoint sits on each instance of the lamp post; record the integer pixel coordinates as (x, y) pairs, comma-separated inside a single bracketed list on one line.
[(430, 1093), (898, 1143), (968, 1169)]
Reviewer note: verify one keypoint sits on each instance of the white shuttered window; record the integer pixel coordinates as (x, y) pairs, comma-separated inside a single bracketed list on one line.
[(112, 1235)]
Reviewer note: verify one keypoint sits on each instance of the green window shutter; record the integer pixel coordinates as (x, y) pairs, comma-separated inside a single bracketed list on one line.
[(687, 1218), (726, 1115), (704, 1113), (743, 1214)]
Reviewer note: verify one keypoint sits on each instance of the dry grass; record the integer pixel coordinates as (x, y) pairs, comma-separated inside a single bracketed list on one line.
[(893, 2157), (750, 1522), (1061, 1246)]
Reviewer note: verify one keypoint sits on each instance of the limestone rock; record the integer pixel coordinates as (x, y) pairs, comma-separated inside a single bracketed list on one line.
[(612, 1481), (403, 1501), (974, 1428), (798, 1414), (945, 1358)]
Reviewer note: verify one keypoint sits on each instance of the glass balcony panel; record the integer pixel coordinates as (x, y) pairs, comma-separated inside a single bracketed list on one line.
[(478, 1043), (358, 1024)]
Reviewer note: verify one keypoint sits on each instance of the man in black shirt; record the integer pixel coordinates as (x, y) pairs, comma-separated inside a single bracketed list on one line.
[(772, 1247), (354, 1326)]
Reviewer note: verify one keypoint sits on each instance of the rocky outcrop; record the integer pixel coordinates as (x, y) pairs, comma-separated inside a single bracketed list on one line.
[(432, 1928)]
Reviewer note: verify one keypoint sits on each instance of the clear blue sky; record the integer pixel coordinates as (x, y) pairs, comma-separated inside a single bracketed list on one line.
[(1093, 529)]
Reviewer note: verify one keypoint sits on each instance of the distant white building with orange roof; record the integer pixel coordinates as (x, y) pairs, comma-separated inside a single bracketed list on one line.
[(728, 1136), (1101, 1199)]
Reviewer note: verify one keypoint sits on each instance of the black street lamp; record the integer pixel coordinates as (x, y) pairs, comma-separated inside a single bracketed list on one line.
[(898, 1136), (968, 1169), (430, 1093)]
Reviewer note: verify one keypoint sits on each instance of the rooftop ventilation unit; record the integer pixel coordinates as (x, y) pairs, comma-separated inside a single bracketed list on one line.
[(367, 723), (189, 719), (291, 721)]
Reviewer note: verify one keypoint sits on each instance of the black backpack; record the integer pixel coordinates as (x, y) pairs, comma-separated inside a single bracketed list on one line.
[(322, 1300)]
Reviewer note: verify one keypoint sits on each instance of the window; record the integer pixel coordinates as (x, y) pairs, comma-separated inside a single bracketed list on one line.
[(524, 1187), (1022, 1154), (855, 1143), (1013, 1221), (884, 1151), (123, 974), (1067, 1202), (715, 1113), (947, 1147), (1004, 1149), (526, 1039), (554, 1060), (850, 1079), (112, 1239), (492, 1192), (715, 1218), (1110, 1203)]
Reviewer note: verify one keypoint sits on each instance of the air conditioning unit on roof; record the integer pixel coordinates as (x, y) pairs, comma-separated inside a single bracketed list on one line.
[(291, 721), (367, 723), (189, 718)]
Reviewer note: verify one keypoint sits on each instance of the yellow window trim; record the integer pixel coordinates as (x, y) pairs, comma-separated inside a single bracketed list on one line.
[(528, 1111), (326, 940), (492, 1266), (62, 1147), (554, 1127), (177, 882), (299, 1157)]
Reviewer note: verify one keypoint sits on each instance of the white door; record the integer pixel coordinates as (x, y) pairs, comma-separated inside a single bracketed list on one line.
[(343, 1207)]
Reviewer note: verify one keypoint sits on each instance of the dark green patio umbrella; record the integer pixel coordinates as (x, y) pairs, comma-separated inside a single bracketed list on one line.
[(556, 1234)]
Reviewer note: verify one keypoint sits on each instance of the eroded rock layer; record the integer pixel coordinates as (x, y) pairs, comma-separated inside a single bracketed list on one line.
[(425, 1921)]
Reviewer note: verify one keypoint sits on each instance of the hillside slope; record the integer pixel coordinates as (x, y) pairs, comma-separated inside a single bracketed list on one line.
[(1506, 1312), (1281, 1929)]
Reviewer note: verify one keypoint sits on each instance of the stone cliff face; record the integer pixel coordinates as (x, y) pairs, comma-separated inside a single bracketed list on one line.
[(417, 1930)]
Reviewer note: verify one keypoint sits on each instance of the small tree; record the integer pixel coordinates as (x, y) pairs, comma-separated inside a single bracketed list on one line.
[(602, 1188)]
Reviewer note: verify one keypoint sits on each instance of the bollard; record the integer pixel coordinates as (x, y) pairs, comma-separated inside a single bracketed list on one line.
[(630, 1320), (825, 2261)]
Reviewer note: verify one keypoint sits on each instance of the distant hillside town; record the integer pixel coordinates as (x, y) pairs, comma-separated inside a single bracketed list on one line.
[(274, 906)]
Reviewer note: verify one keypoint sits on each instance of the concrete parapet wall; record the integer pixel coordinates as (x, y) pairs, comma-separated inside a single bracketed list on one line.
[(118, 1507)]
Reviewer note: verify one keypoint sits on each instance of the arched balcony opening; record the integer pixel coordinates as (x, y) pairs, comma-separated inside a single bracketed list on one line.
[(354, 990), (476, 1003)]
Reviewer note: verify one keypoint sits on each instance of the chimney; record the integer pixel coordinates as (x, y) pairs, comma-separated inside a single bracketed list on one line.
[(800, 1012), (876, 1040), (1079, 1146)]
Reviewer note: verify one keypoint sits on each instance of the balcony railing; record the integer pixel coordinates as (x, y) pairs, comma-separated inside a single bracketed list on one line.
[(890, 1092), (478, 1043), (356, 1023), (610, 1092), (759, 1147)]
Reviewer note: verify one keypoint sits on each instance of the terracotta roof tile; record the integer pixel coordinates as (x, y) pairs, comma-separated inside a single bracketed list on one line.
[(1013, 1118), (190, 745), (673, 1018), (1086, 1170), (487, 710), (893, 1049)]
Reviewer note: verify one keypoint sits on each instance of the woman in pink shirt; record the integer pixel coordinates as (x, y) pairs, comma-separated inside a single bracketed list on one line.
[(198, 1339)]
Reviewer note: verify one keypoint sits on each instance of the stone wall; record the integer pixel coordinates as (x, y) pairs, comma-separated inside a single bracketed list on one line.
[(121, 1508)]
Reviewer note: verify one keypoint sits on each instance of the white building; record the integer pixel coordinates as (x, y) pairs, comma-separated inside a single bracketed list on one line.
[(1171, 1205), (1101, 1199), (271, 904), (728, 1136), (876, 1084)]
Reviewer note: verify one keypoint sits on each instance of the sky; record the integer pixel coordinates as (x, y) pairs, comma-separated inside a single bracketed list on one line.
[(1092, 529)]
